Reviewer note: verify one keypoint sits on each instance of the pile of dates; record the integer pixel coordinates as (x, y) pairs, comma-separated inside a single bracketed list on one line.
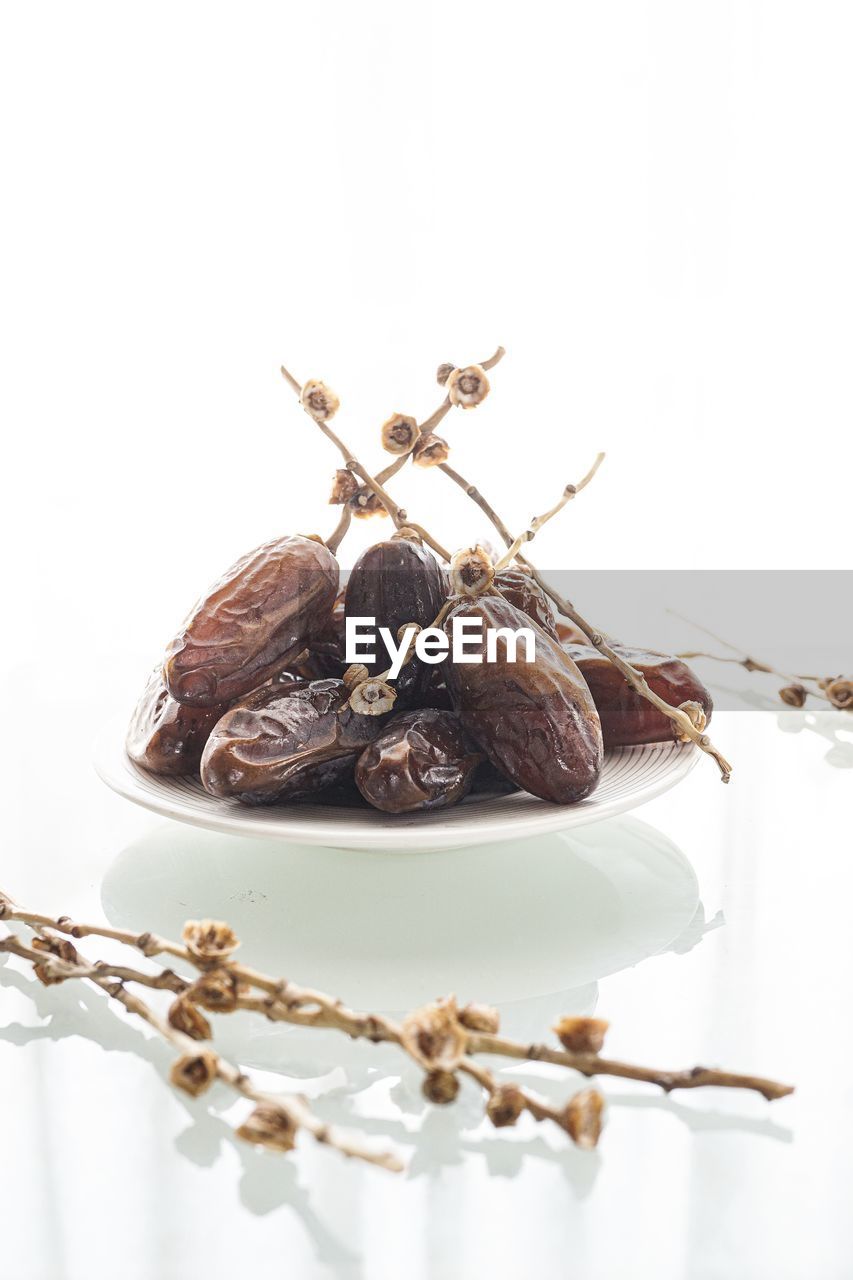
[(254, 695)]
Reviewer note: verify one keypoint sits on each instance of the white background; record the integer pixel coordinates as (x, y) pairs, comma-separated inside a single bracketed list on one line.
[(649, 205)]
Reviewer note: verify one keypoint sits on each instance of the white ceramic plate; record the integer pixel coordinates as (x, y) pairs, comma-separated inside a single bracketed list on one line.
[(630, 777)]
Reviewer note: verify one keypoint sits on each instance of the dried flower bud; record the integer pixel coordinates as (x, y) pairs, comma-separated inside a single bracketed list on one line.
[(581, 1035), (840, 692), (582, 1118), (480, 1017), (372, 698), (344, 486), (794, 695), (400, 433), (467, 387), (269, 1126), (217, 990), (696, 716), (320, 401), (471, 572), (194, 1072), (355, 675), (430, 451), (62, 948), (505, 1105), (365, 503), (440, 1087), (210, 941), (48, 973), (434, 1036), (184, 1016), (443, 372)]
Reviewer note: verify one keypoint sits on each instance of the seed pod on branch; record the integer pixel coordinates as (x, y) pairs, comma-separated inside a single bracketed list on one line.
[(400, 434), (467, 387), (344, 487), (430, 451), (471, 572), (319, 400)]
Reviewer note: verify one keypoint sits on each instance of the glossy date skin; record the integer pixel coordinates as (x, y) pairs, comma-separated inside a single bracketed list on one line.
[(627, 719), (286, 742), (252, 622), (397, 581), (536, 722), (166, 736), (521, 590), (423, 760)]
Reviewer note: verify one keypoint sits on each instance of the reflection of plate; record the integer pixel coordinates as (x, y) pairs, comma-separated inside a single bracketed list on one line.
[(630, 777), (503, 924)]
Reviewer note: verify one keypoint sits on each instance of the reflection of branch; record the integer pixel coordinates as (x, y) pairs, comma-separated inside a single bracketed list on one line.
[(195, 1069), (795, 692)]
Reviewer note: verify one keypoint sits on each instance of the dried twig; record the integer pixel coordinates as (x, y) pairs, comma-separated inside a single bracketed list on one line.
[(686, 728), (439, 1037), (280, 1118), (570, 491), (351, 462), (428, 426)]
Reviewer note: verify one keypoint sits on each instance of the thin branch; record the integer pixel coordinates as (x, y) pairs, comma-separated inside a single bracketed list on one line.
[(570, 491), (635, 678), (428, 426), (286, 1001), (351, 462)]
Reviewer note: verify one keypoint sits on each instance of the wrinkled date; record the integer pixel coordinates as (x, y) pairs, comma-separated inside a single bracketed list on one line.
[(252, 622), (423, 760), (166, 736), (286, 742), (627, 719), (520, 589), (536, 722), (395, 582)]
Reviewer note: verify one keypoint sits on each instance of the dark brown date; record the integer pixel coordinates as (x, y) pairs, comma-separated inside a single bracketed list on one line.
[(327, 648), (520, 589), (535, 721), (628, 719), (252, 622), (166, 736), (395, 582), (286, 742), (423, 760)]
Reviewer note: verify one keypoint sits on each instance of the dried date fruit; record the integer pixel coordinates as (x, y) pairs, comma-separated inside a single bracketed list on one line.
[(166, 736), (489, 780), (423, 760), (524, 592), (327, 649), (397, 581), (286, 742), (536, 721), (627, 719), (253, 621), (568, 633)]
